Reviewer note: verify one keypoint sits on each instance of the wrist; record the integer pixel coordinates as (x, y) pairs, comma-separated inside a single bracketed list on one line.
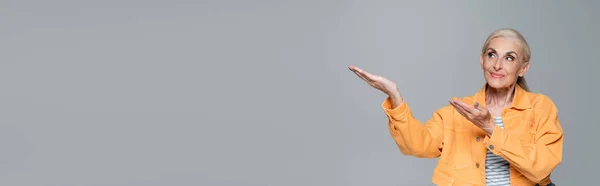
[(490, 132), (490, 129), (396, 99), (394, 95)]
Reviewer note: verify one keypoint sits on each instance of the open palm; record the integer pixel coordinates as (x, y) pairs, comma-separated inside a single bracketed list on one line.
[(378, 82)]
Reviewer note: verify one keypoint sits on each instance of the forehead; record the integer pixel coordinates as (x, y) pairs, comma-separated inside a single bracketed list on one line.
[(502, 45)]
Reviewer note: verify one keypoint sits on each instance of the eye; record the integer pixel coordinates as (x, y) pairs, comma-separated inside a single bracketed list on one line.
[(491, 55), (510, 58)]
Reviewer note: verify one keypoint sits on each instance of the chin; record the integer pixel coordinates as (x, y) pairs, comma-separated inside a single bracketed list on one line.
[(498, 84)]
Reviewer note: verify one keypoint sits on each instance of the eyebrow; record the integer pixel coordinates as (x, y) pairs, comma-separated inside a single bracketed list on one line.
[(511, 52)]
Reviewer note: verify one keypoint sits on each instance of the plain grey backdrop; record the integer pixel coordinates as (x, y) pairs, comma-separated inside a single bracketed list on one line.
[(152, 93)]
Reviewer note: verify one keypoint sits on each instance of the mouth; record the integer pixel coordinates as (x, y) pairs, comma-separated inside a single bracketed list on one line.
[(496, 75)]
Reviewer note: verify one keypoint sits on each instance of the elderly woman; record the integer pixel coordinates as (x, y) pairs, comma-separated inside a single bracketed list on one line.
[(501, 135)]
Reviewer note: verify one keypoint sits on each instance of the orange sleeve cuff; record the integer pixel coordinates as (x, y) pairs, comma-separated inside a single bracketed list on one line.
[(496, 141), (399, 113)]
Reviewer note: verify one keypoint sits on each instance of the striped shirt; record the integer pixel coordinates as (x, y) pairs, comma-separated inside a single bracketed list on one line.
[(497, 170)]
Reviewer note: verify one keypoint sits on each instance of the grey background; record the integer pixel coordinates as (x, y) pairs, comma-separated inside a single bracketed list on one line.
[(258, 92)]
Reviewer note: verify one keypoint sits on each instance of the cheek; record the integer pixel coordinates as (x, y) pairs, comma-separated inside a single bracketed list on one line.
[(512, 71), (487, 66), (512, 76)]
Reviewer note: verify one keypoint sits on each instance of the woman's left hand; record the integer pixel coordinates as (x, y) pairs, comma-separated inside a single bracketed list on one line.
[(477, 114)]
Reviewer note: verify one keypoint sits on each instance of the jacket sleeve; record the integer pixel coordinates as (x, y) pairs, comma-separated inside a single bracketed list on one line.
[(537, 159), (413, 137)]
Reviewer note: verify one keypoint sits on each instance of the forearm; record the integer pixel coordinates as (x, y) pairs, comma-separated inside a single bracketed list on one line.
[(536, 160), (416, 139), (412, 136)]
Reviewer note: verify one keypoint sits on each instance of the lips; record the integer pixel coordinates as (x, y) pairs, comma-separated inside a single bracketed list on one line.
[(496, 75)]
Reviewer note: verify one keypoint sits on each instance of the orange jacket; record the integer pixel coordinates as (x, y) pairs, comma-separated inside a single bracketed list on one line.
[(531, 140)]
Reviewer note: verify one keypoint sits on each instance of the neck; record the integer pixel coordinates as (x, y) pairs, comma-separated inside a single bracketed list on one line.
[(499, 97)]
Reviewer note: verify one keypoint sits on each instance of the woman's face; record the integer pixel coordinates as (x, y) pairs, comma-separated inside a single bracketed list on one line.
[(502, 63)]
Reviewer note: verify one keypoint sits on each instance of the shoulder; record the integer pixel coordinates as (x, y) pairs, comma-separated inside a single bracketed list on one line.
[(540, 102), (545, 111), (543, 106)]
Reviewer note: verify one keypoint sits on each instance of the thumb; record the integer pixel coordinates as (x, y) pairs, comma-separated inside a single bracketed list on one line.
[(478, 106)]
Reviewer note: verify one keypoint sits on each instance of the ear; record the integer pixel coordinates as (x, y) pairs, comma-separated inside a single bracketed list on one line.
[(524, 69), (481, 61)]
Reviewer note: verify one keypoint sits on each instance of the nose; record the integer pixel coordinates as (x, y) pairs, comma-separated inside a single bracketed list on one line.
[(497, 64)]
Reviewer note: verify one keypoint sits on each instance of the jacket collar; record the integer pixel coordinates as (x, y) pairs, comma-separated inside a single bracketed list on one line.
[(520, 100)]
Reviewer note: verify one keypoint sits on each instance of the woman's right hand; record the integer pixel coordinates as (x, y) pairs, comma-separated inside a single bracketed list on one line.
[(380, 83)]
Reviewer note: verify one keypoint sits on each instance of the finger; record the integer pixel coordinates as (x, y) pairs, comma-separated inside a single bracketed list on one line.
[(354, 68), (361, 76), (467, 108), (476, 108), (356, 71), (367, 75), (479, 107), (363, 73), (460, 110)]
